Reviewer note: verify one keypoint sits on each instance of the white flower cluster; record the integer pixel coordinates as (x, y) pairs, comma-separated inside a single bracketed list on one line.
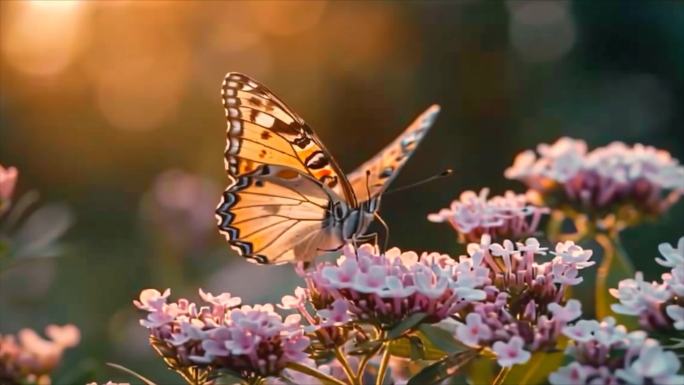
[(507, 216), (605, 353), (658, 305), (388, 287), (525, 309), (603, 177), (568, 157)]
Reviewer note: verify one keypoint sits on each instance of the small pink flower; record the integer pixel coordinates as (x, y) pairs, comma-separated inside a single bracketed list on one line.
[(511, 353), (573, 374), (151, 299), (573, 254), (224, 299), (371, 282), (242, 342), (66, 336), (293, 302), (343, 274), (8, 179), (565, 274), (473, 331), (189, 331), (570, 312), (582, 331), (671, 256), (395, 288), (676, 312), (110, 383), (337, 314)]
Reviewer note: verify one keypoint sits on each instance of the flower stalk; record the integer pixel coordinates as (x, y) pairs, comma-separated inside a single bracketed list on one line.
[(501, 376), (615, 266), (326, 379), (384, 361)]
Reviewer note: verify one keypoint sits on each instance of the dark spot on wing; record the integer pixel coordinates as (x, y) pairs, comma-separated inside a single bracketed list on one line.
[(255, 101), (288, 129), (262, 153), (268, 106), (265, 135), (329, 180), (302, 141)]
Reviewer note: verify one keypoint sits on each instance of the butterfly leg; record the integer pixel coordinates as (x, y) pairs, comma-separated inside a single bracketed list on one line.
[(387, 231), (338, 248)]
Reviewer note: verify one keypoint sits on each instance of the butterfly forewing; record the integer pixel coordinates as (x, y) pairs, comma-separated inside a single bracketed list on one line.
[(376, 174), (262, 129)]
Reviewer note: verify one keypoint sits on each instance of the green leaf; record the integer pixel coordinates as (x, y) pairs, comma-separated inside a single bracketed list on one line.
[(402, 348), (481, 370), (536, 370), (417, 348), (441, 339), (406, 325), (443, 369), (365, 348), (142, 378)]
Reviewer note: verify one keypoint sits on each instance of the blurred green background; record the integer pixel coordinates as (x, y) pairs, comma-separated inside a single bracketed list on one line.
[(113, 108)]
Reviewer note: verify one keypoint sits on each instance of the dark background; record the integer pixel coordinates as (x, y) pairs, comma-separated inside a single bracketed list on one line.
[(99, 99)]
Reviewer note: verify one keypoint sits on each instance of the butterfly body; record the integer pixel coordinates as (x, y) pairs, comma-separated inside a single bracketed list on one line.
[(288, 200)]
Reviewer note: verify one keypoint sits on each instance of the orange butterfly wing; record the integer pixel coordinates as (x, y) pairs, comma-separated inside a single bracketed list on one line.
[(377, 173), (262, 129)]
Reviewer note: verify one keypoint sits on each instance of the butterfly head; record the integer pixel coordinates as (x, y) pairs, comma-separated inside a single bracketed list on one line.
[(372, 205)]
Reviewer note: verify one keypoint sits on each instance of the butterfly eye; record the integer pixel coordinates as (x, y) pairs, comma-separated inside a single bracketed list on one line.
[(339, 211)]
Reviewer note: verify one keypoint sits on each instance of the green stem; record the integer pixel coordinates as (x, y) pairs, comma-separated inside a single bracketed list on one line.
[(584, 228), (326, 379), (384, 361), (501, 377), (364, 362), (614, 267), (348, 371), (553, 228)]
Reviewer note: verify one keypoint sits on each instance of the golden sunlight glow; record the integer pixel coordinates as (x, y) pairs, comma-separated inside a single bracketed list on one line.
[(43, 37), (287, 17)]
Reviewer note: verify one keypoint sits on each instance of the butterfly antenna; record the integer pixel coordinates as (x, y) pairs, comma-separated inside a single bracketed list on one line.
[(368, 184), (387, 231), (443, 174)]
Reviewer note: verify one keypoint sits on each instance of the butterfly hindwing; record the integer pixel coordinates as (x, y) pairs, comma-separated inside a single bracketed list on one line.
[(262, 129), (376, 174), (276, 214)]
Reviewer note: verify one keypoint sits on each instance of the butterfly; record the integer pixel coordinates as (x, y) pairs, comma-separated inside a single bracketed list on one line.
[(288, 200)]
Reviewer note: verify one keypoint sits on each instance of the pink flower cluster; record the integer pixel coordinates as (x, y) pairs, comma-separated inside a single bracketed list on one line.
[(110, 383), (252, 341), (181, 206), (600, 179), (510, 216), (658, 305), (525, 309), (604, 353), (386, 288), (29, 358), (8, 179)]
